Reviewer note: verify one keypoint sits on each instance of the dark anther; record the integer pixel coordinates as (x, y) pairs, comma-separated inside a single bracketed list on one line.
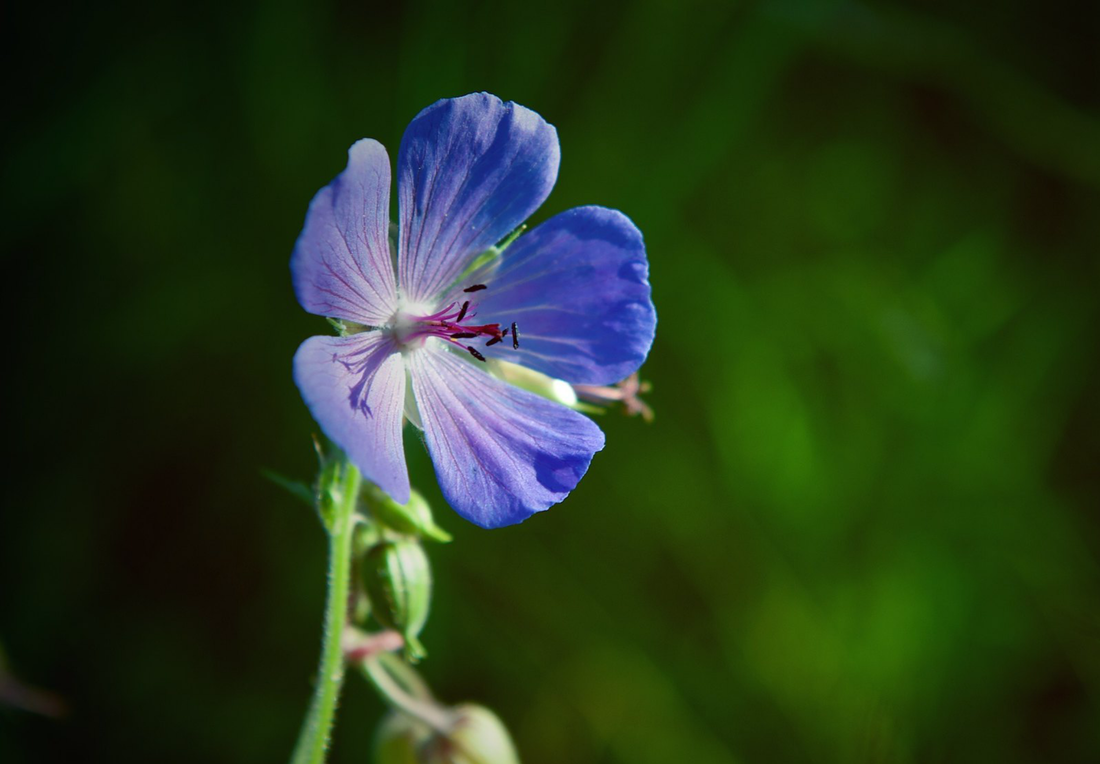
[(462, 313), (493, 341), (475, 288), (515, 336), (463, 335), (475, 354)]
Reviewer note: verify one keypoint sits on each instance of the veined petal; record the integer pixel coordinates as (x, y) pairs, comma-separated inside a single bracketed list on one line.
[(355, 388), (578, 288), (500, 453), (341, 264), (470, 170)]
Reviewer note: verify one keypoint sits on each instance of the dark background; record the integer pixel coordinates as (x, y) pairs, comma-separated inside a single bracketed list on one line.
[(863, 527)]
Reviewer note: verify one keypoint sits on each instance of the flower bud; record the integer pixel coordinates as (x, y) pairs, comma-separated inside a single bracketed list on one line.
[(399, 738), (412, 519), (478, 736), (328, 492), (398, 581), (536, 382)]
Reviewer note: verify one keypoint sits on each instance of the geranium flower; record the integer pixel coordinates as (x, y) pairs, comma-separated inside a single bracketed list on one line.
[(570, 299)]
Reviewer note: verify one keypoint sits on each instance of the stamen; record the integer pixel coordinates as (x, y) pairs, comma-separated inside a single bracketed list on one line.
[(446, 324), (475, 288)]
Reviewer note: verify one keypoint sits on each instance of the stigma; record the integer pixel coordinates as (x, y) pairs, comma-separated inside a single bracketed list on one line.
[(413, 325)]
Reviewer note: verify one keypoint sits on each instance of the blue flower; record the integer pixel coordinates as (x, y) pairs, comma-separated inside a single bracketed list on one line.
[(570, 299)]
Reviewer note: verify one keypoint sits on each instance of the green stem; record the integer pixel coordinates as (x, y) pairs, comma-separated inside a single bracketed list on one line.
[(406, 676), (408, 693), (313, 739)]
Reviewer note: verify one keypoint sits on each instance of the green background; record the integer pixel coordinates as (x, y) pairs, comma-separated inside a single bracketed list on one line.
[(863, 527)]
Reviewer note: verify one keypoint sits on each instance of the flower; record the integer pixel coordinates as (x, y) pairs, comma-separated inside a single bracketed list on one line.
[(570, 299)]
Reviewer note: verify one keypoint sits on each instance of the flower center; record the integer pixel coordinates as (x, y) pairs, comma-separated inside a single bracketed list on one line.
[(413, 325)]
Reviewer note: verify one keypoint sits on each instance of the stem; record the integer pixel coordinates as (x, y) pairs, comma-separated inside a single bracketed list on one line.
[(408, 677), (398, 696), (314, 737)]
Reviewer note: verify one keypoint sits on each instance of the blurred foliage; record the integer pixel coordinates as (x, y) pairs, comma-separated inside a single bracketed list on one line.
[(863, 526)]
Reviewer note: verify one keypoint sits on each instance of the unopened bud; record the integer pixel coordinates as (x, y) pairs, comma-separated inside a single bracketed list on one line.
[(398, 581), (413, 518), (536, 382), (399, 738), (478, 736), (328, 492)]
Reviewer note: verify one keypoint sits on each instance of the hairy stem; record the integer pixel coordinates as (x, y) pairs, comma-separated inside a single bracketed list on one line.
[(403, 689), (314, 737)]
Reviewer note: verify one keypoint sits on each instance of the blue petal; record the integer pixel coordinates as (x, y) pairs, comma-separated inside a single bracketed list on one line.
[(470, 170), (341, 264), (500, 453), (355, 389), (578, 288)]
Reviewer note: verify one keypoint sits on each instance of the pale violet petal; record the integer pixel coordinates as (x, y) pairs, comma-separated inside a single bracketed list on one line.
[(577, 287), (355, 388), (470, 170), (341, 264), (501, 453)]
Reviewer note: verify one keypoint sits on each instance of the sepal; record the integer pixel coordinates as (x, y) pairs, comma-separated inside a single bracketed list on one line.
[(411, 519)]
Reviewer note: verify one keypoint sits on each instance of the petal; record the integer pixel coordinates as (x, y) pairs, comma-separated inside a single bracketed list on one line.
[(341, 264), (578, 288), (355, 388), (500, 453), (470, 170)]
